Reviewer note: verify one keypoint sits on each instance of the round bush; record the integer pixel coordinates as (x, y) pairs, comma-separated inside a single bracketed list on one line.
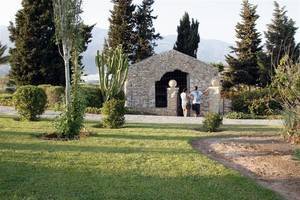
[(30, 101), (212, 122), (92, 96), (113, 113), (55, 94)]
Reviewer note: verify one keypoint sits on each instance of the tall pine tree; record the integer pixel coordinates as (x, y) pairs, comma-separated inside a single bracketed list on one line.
[(145, 34), (244, 68), (280, 36), (188, 36), (35, 59), (121, 26)]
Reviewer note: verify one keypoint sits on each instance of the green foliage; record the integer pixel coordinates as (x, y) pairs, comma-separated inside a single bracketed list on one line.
[(220, 66), (92, 96), (144, 33), (292, 125), (241, 115), (93, 110), (188, 38), (70, 122), (287, 82), (55, 94), (3, 59), (113, 70), (6, 100), (257, 102), (30, 101), (113, 113), (280, 36), (121, 29), (244, 68), (212, 122), (35, 58)]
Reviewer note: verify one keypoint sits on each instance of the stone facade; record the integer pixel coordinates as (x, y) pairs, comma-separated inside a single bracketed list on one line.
[(140, 88)]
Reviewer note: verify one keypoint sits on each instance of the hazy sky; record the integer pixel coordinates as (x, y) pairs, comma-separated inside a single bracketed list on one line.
[(217, 17)]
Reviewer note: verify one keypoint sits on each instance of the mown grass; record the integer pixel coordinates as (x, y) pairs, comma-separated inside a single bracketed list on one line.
[(140, 161)]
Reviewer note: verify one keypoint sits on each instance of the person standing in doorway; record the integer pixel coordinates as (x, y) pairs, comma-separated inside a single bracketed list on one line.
[(185, 102), (196, 96)]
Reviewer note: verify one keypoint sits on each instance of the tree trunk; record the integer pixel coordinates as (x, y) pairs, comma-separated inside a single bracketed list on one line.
[(66, 53)]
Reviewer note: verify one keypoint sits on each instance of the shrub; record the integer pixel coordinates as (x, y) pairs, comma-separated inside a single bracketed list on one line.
[(93, 110), (257, 102), (55, 94), (70, 122), (287, 82), (92, 96), (212, 122), (30, 101), (113, 113), (6, 100)]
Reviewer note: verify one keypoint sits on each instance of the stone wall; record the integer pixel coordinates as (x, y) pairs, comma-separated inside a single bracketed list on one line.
[(140, 87)]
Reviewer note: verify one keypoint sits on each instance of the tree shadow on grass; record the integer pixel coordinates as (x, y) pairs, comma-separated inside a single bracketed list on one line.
[(143, 137), (39, 147), (71, 182)]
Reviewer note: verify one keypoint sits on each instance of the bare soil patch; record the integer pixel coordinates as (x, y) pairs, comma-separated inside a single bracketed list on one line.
[(269, 160)]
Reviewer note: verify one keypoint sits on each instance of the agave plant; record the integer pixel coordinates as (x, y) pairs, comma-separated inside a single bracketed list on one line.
[(113, 70), (3, 59)]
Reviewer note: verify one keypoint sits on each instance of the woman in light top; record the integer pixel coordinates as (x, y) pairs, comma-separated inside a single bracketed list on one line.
[(185, 102)]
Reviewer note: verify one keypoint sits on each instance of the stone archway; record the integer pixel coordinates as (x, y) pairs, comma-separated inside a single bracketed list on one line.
[(161, 96)]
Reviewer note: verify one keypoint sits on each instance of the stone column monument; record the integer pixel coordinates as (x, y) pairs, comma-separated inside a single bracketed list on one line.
[(214, 97), (172, 98)]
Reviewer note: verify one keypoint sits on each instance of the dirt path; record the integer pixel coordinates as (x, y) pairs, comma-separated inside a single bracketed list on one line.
[(268, 160)]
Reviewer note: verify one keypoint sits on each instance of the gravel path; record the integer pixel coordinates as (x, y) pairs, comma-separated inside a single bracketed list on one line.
[(9, 111)]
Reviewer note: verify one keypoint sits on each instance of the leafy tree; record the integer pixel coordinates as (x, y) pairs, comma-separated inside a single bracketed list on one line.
[(68, 25), (3, 59), (145, 35), (287, 82), (280, 37), (244, 68), (188, 36), (122, 26), (35, 58)]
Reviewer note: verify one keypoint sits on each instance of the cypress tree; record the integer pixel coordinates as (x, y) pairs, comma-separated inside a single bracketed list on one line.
[(244, 68), (122, 26), (145, 35), (35, 58), (280, 36), (188, 36)]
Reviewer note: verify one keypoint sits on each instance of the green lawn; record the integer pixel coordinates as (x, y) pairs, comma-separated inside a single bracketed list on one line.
[(136, 162)]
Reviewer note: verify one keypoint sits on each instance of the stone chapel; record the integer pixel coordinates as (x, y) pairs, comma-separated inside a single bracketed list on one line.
[(154, 84)]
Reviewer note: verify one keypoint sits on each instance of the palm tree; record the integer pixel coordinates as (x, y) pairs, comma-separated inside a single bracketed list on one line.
[(3, 59)]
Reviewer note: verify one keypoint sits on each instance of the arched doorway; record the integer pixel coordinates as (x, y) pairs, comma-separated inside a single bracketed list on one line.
[(161, 86)]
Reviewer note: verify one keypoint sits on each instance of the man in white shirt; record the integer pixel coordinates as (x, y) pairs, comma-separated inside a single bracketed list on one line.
[(196, 96)]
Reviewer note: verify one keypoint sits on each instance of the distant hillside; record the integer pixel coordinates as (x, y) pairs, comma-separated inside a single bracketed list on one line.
[(209, 50), (4, 39)]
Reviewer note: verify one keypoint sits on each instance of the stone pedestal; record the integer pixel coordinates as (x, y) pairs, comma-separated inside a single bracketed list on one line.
[(214, 97), (172, 98)]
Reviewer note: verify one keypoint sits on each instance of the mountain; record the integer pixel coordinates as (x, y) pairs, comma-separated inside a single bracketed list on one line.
[(209, 50), (4, 39)]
